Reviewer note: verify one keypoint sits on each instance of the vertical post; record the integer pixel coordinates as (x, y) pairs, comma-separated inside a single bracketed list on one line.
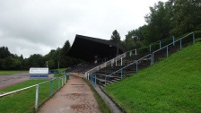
[(121, 61), (121, 74), (58, 83), (152, 58), (193, 37), (58, 66), (136, 66), (62, 81), (65, 79), (88, 77), (160, 44), (167, 52), (105, 80), (51, 88), (116, 61), (173, 41), (180, 43), (95, 80), (37, 97)]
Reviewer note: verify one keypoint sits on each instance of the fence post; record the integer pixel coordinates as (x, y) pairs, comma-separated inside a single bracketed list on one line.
[(37, 97), (173, 41), (51, 88), (58, 83), (121, 74), (193, 37), (136, 66), (105, 80), (167, 52), (121, 61), (95, 80), (160, 44), (62, 81), (180, 44), (152, 58)]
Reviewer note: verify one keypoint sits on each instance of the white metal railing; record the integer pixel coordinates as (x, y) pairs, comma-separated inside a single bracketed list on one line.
[(108, 63), (61, 81)]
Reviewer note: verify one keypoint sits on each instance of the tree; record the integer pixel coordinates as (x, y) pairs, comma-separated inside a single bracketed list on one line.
[(115, 36), (186, 16), (158, 22), (35, 60), (4, 52)]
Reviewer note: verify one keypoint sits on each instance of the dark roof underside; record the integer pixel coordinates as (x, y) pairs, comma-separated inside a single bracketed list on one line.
[(86, 48)]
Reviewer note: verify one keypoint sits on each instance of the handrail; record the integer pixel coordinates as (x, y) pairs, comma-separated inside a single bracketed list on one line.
[(18, 90), (108, 61), (148, 55), (125, 67), (161, 40), (172, 42)]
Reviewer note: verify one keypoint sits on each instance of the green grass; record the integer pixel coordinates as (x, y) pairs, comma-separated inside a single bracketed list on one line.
[(10, 72), (170, 86), (102, 105), (24, 101), (58, 75)]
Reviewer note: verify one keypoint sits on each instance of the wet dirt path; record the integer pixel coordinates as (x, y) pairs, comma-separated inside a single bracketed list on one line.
[(74, 97), (9, 80)]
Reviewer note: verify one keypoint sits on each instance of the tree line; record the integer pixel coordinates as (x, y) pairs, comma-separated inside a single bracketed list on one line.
[(53, 59), (174, 17)]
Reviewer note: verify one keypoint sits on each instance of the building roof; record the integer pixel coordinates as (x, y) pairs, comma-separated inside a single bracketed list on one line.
[(86, 48)]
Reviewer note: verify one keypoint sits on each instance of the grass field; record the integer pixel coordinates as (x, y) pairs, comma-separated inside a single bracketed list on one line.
[(170, 86), (24, 101), (11, 72)]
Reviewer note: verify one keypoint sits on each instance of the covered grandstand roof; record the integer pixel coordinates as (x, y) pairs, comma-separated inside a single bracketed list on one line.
[(87, 48)]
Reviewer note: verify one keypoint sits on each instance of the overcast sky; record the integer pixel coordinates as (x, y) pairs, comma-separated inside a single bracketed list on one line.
[(36, 26)]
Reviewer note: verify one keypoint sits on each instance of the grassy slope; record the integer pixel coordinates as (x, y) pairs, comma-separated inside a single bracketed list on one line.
[(170, 86)]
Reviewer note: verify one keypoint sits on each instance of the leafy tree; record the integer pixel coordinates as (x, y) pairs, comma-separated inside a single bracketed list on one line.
[(4, 52), (158, 22), (115, 36), (35, 60), (186, 16)]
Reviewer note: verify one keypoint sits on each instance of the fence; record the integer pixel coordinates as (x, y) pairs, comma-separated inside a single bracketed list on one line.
[(151, 57), (41, 96), (109, 63)]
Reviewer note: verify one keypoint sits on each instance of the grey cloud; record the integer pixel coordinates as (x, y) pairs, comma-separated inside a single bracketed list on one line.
[(36, 26)]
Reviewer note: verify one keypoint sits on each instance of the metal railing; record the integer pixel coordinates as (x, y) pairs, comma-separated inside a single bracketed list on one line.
[(61, 81), (93, 79), (160, 42), (151, 56), (108, 63)]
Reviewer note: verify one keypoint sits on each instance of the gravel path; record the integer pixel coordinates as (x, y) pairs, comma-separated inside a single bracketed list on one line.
[(74, 97), (8, 80)]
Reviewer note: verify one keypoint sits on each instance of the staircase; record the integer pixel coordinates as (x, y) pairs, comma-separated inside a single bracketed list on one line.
[(133, 64)]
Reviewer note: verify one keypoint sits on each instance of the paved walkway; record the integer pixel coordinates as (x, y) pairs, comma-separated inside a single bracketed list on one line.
[(74, 97)]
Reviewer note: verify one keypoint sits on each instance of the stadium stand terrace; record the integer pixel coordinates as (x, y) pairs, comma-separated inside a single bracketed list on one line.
[(90, 49), (94, 50)]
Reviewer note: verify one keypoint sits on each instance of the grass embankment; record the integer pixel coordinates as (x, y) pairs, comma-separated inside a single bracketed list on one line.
[(24, 101), (170, 86), (102, 105), (11, 72)]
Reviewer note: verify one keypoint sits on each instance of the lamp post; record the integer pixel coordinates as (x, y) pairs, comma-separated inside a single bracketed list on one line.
[(47, 64), (58, 65)]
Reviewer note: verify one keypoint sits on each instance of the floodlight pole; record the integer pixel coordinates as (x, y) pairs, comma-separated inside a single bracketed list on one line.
[(58, 65)]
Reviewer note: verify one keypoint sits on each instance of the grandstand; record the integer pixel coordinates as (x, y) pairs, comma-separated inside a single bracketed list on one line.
[(121, 64)]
